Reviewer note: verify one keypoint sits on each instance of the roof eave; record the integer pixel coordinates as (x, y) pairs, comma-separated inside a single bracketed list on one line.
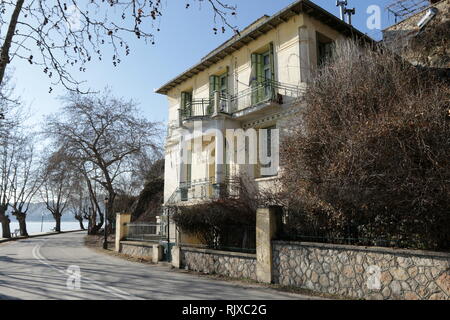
[(302, 6)]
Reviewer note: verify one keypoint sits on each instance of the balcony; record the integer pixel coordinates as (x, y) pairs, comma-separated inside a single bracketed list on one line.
[(200, 190), (263, 94), (261, 97), (196, 109)]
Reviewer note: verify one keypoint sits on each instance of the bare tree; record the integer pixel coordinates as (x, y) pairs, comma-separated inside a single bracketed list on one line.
[(57, 35), (11, 116), (103, 135), (8, 152), (78, 201), (25, 181), (56, 186)]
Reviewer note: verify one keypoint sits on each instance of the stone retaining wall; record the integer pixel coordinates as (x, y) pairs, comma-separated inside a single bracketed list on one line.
[(362, 272), (231, 264), (136, 249)]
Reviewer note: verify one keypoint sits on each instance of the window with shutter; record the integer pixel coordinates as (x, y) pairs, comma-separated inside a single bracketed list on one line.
[(263, 74), (186, 103)]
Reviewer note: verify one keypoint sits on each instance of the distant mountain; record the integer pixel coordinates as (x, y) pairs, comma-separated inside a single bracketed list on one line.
[(35, 213)]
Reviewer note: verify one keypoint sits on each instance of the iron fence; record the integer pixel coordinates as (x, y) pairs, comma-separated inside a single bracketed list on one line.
[(401, 242), (146, 231), (234, 238)]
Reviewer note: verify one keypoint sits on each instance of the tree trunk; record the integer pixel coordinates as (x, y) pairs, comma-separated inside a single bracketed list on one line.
[(80, 220), (94, 226), (6, 230), (57, 218), (21, 217), (4, 56)]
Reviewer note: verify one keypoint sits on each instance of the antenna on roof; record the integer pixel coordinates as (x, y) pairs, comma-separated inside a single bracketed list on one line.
[(350, 13), (345, 11), (342, 4)]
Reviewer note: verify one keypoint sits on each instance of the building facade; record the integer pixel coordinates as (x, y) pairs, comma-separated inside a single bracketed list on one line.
[(255, 80)]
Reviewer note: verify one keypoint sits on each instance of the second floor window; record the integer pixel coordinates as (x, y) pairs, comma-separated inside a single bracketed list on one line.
[(186, 103), (324, 49), (263, 73), (218, 84)]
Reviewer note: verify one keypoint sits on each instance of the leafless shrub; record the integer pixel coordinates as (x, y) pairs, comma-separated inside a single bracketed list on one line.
[(225, 222), (369, 157)]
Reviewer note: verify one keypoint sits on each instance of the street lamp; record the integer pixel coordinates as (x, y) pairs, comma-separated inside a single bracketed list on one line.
[(42, 221), (105, 241)]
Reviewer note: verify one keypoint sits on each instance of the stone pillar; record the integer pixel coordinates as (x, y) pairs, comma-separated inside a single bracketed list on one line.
[(216, 108), (121, 228), (305, 61), (157, 253), (176, 257), (268, 224), (219, 147)]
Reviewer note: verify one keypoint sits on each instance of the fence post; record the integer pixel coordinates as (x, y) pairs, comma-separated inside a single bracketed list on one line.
[(268, 225), (121, 228)]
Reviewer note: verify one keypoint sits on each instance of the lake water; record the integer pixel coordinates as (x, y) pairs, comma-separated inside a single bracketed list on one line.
[(35, 226)]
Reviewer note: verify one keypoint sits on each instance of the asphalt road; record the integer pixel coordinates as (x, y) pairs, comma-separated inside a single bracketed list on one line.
[(61, 267)]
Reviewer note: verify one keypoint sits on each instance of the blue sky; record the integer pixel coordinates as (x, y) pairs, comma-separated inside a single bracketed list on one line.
[(185, 37)]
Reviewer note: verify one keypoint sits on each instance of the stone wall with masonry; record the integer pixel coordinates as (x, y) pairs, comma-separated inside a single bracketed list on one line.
[(230, 264), (362, 272)]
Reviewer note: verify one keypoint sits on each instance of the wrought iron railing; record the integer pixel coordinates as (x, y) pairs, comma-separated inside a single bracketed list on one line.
[(145, 231), (201, 189), (261, 92), (264, 92), (196, 109)]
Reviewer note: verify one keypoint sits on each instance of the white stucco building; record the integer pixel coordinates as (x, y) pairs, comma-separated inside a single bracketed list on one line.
[(254, 80)]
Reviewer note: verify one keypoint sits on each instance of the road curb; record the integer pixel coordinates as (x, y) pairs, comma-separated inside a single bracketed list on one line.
[(3, 240)]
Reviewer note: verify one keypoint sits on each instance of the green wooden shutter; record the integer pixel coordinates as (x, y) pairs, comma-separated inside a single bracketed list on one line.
[(228, 79), (183, 104), (213, 86), (254, 78), (186, 107), (272, 61), (272, 70), (260, 77)]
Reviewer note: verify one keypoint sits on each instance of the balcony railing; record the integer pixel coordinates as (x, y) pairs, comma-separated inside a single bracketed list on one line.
[(264, 92), (196, 109), (261, 93), (202, 189)]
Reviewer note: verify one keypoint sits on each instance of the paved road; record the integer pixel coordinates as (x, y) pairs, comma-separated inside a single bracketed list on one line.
[(38, 269)]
